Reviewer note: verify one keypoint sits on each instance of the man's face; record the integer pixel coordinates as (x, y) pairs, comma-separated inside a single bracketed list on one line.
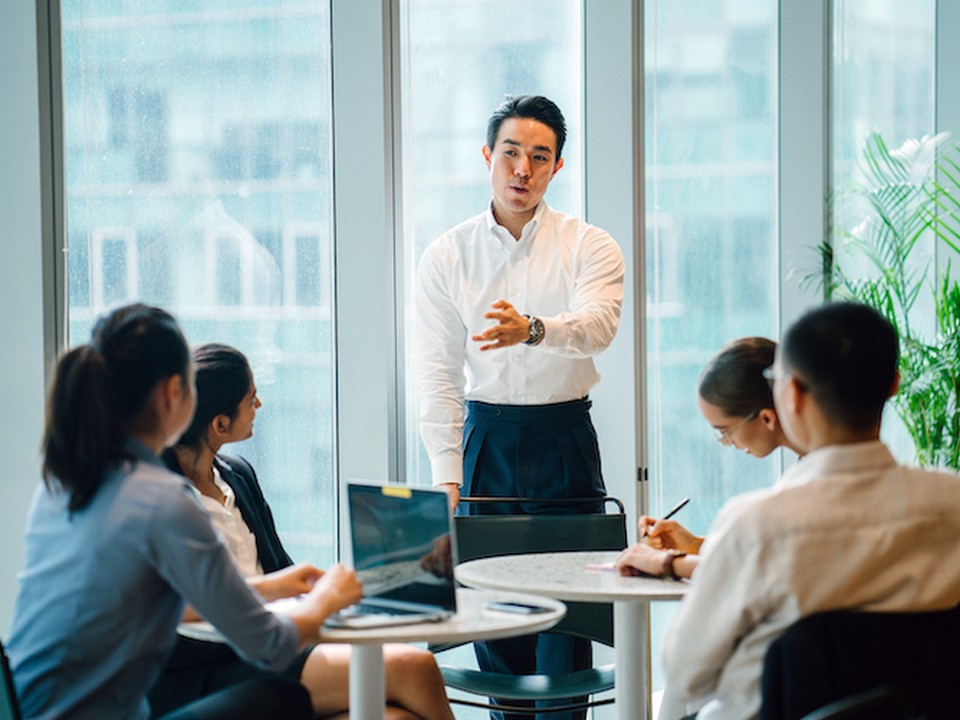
[(522, 163)]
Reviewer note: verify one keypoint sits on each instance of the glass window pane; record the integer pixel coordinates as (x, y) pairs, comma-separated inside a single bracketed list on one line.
[(883, 76), (198, 178), (711, 172), (459, 62), (884, 73)]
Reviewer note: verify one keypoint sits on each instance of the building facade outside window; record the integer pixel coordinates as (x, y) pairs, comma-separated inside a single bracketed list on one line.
[(198, 168)]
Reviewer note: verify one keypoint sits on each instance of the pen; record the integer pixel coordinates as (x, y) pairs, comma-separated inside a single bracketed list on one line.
[(673, 511), (676, 508)]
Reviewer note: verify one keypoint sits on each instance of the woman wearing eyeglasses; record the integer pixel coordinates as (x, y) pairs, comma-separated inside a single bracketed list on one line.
[(735, 397)]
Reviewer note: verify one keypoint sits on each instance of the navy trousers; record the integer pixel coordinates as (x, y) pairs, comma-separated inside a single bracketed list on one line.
[(531, 451)]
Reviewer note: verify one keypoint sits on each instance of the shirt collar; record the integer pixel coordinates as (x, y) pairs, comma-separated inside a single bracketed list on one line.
[(861, 457), (529, 230)]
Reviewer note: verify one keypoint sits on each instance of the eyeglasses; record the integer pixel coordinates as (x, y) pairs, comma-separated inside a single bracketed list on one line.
[(724, 437), (770, 375)]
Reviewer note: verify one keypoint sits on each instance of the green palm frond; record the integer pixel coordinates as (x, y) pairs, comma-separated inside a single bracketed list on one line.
[(906, 194)]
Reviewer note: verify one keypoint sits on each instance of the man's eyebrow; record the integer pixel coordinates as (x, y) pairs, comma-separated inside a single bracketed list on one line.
[(538, 148)]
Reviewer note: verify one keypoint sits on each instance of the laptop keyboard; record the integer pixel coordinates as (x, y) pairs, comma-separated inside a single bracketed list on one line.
[(384, 578), (362, 608)]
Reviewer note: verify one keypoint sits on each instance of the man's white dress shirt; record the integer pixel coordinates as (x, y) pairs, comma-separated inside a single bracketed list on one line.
[(561, 270), (844, 528)]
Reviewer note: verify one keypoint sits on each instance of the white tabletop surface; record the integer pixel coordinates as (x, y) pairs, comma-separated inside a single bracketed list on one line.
[(566, 576), (473, 621), (588, 576)]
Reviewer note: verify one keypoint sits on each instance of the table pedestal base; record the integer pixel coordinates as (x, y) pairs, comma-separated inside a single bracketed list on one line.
[(367, 683), (631, 675)]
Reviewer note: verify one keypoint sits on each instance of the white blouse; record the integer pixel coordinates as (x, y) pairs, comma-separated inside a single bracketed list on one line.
[(229, 524)]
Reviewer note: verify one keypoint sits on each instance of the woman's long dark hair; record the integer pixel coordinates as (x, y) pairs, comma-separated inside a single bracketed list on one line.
[(733, 379), (100, 391), (223, 378)]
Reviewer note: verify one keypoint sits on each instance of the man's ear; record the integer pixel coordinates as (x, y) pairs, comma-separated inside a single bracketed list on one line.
[(556, 168), (487, 155), (896, 385), (795, 396)]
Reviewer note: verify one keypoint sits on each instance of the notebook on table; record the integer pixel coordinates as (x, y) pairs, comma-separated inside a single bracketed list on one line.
[(403, 554)]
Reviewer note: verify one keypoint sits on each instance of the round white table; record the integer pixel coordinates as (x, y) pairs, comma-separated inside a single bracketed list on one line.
[(473, 621), (578, 576)]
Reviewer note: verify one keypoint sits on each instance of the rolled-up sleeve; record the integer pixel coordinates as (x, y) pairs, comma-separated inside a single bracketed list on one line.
[(590, 324)]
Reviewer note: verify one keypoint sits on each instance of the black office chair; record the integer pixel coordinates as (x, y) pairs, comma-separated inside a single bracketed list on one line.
[(882, 666), (880, 703), (9, 707), (487, 535)]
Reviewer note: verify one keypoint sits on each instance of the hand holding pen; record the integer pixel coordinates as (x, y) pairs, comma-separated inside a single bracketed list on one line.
[(676, 508), (655, 533), (666, 533), (646, 521)]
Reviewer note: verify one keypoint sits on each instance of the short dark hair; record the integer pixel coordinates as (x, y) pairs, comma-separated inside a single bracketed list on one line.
[(100, 392), (733, 378), (223, 378), (535, 107), (846, 355)]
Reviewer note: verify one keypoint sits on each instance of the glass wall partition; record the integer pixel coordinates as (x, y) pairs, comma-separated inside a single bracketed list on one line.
[(711, 247), (197, 156), (882, 81), (459, 61), (711, 150)]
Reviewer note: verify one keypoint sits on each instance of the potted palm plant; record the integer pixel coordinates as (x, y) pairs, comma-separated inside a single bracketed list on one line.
[(907, 196)]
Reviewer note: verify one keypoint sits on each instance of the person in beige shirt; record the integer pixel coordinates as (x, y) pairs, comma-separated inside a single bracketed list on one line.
[(845, 528)]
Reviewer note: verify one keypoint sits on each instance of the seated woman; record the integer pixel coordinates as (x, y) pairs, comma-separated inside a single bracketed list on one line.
[(227, 404), (736, 398), (116, 543)]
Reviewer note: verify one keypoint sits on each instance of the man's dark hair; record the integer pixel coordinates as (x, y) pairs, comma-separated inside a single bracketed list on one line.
[(846, 356), (535, 107)]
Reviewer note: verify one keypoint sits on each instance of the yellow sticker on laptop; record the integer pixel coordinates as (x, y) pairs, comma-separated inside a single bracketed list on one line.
[(399, 491)]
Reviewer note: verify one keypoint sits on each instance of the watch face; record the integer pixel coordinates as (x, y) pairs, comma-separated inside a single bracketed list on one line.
[(536, 331)]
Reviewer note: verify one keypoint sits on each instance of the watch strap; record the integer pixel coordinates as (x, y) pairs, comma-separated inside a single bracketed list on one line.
[(667, 569), (536, 330)]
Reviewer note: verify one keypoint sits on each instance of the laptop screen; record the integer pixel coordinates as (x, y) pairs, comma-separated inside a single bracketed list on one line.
[(403, 549)]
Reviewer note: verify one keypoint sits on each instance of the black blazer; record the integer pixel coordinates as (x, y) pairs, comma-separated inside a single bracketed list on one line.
[(239, 475)]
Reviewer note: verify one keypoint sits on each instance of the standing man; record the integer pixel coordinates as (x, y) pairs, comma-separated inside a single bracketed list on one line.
[(512, 305), (847, 527)]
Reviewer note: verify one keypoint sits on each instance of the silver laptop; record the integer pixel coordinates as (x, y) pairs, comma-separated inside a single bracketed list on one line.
[(403, 553)]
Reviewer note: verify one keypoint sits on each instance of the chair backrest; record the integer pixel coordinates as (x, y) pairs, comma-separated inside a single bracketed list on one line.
[(480, 536), (881, 703), (9, 708), (829, 656)]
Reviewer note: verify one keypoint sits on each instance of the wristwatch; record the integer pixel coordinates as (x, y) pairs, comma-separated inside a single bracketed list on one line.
[(667, 569), (536, 330)]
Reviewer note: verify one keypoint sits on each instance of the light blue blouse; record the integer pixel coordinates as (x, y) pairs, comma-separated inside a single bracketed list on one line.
[(103, 589)]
